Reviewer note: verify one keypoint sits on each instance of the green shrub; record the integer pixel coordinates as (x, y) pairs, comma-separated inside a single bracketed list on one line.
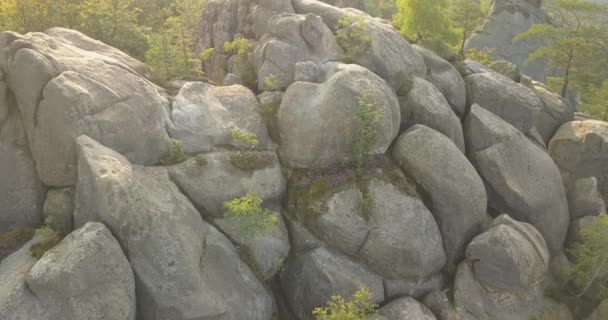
[(249, 140), (590, 258), (354, 37), (368, 136), (481, 56), (359, 308), (48, 239), (250, 216), (272, 83), (206, 55), (250, 161), (175, 155), (241, 47)]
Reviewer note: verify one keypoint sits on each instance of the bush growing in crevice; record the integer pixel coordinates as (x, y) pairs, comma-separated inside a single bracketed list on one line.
[(368, 116), (354, 37), (240, 48), (360, 307), (252, 218), (248, 160), (174, 155), (48, 239)]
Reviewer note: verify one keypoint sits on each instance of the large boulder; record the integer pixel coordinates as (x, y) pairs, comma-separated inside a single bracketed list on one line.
[(311, 278), (64, 91), (507, 19), (389, 56), (319, 125), (86, 276), (446, 78), (404, 240), (521, 178), (556, 111), (513, 102), (406, 308), (580, 150), (292, 39), (455, 190), (184, 268), (204, 117), (21, 189), (503, 273), (425, 105), (584, 198)]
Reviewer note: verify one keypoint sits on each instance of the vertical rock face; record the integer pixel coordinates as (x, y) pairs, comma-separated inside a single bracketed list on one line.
[(63, 91), (507, 19), (455, 189), (86, 276), (521, 178), (406, 309), (580, 150), (184, 268)]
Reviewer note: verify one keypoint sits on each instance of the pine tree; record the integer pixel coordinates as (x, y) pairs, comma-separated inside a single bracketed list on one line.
[(466, 16), (420, 20)]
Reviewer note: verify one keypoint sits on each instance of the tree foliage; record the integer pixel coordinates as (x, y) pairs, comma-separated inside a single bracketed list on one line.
[(422, 19), (466, 16), (590, 257), (577, 43), (360, 307), (353, 36), (381, 8), (596, 101), (250, 216)]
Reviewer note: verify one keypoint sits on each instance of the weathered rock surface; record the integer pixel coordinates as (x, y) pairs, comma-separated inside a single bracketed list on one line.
[(584, 198), (404, 240), (521, 179), (446, 78), (425, 105), (318, 123), (556, 111), (64, 91), (58, 210), (310, 278), (184, 268), (601, 312), (406, 309), (513, 102), (204, 116), (580, 150), (455, 189), (507, 69), (86, 276)]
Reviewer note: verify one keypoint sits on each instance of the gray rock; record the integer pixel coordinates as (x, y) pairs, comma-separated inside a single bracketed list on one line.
[(22, 192), (520, 178), (406, 308), (555, 311), (439, 303), (584, 198), (292, 40), (507, 69), (184, 268), (473, 301), (310, 278), (232, 79), (446, 78), (414, 288), (425, 105), (556, 111), (601, 312), (507, 19), (580, 150), (509, 256), (513, 102), (204, 117), (307, 71), (404, 240), (340, 221), (456, 191), (58, 210), (86, 276), (75, 91), (305, 124)]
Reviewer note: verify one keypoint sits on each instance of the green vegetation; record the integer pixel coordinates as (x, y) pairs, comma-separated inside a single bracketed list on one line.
[(206, 55), (589, 266), (249, 160), (360, 307), (596, 102), (466, 16), (250, 141), (354, 37), (423, 19), (240, 48), (48, 239), (481, 56), (369, 114), (175, 155), (381, 8), (250, 216), (577, 45), (272, 83), (161, 32), (15, 238)]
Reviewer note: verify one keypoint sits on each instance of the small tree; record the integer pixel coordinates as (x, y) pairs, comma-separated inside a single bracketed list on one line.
[(481, 56), (241, 47), (359, 308), (423, 19), (369, 114), (250, 216), (466, 16), (353, 36), (590, 257), (577, 44), (595, 101)]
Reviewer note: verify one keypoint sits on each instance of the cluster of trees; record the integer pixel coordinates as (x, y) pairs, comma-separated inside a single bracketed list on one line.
[(159, 32)]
